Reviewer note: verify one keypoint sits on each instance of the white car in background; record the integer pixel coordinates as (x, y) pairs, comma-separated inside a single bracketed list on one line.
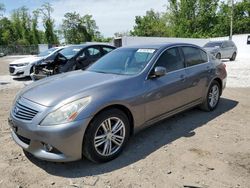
[(24, 67)]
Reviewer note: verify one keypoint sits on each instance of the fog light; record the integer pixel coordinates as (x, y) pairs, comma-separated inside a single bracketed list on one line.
[(48, 147)]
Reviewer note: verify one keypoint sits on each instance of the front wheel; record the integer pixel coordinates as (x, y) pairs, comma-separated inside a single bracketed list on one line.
[(212, 97), (106, 136), (233, 57), (218, 56)]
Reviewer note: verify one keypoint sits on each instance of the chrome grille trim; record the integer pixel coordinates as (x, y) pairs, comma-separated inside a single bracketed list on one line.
[(24, 112)]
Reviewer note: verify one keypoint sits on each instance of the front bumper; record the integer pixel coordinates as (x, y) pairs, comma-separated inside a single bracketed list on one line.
[(66, 139), (35, 77), (22, 71)]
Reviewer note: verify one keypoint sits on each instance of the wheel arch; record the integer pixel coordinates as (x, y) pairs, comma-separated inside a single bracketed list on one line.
[(220, 83), (121, 107)]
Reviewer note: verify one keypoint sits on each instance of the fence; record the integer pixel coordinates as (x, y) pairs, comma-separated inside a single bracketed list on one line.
[(19, 49)]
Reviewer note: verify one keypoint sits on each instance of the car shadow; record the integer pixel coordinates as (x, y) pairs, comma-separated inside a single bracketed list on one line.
[(27, 78), (142, 144)]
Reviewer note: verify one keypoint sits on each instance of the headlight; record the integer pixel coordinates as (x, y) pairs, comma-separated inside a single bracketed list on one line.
[(66, 113), (22, 64)]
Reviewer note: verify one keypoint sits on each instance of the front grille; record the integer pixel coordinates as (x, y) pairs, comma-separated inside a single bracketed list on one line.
[(11, 69), (23, 139), (23, 112)]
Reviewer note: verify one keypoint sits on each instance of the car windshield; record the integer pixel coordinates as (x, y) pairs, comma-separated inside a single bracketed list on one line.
[(47, 52), (70, 51), (213, 44), (126, 61)]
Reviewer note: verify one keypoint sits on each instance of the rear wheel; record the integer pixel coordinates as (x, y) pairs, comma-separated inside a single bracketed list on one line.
[(218, 56), (233, 57), (212, 97), (106, 136)]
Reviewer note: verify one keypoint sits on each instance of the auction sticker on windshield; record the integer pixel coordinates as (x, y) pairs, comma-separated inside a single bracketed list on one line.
[(150, 51)]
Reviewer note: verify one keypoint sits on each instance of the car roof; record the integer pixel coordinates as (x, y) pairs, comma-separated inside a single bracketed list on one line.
[(161, 45), (87, 45), (221, 41)]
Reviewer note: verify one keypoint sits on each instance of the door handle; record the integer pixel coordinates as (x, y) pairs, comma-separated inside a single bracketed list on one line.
[(183, 78)]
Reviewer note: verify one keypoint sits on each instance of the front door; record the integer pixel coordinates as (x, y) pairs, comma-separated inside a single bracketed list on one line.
[(168, 92)]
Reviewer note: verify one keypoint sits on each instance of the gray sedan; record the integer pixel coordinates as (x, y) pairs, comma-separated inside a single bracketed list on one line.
[(93, 113), (222, 49)]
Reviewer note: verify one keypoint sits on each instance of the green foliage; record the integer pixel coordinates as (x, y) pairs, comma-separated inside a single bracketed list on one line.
[(194, 18), (35, 33), (152, 24), (21, 28), (78, 29), (48, 23), (242, 17), (6, 30)]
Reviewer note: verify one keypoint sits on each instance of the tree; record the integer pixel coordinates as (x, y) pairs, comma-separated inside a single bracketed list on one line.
[(2, 9), (48, 23), (242, 17), (26, 25), (187, 18), (152, 24), (6, 31), (222, 27), (78, 29), (35, 32)]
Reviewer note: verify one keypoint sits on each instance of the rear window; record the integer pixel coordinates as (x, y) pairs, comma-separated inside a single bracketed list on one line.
[(107, 50), (194, 56), (213, 44)]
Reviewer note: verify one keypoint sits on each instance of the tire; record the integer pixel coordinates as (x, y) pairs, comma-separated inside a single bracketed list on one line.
[(212, 94), (218, 56), (233, 57), (31, 70), (98, 133)]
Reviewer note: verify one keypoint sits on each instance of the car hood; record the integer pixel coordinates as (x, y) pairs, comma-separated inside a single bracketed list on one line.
[(52, 90), (30, 59)]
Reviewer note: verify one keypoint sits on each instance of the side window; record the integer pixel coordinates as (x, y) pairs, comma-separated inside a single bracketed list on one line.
[(107, 50), (194, 56), (203, 56), (171, 60), (232, 44), (226, 44), (82, 54), (223, 45), (94, 52)]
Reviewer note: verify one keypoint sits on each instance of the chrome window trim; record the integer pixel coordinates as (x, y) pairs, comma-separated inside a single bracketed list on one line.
[(185, 67)]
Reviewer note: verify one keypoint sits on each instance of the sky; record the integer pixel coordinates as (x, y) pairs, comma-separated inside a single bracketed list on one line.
[(110, 15)]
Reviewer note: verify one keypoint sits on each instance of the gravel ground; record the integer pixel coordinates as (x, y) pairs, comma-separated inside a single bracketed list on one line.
[(193, 148), (238, 73)]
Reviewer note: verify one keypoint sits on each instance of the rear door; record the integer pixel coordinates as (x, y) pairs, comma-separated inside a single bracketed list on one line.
[(91, 54), (224, 50), (168, 92), (231, 49), (198, 71), (94, 53), (227, 50)]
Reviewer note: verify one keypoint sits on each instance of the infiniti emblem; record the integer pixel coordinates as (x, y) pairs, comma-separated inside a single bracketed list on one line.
[(16, 110)]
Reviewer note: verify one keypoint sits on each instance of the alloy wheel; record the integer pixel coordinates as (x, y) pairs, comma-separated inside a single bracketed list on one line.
[(213, 96), (109, 136)]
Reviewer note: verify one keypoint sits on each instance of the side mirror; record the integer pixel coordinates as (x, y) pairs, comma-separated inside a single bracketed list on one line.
[(158, 72)]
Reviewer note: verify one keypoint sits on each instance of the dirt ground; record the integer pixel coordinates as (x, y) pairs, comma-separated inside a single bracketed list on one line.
[(194, 149)]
